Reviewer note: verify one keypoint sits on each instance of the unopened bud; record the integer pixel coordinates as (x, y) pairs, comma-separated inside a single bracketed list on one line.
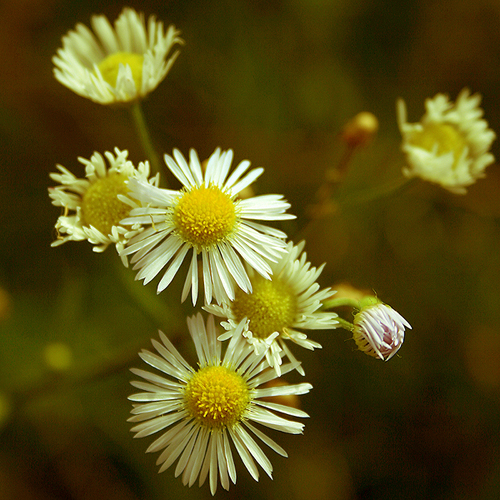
[(360, 130), (379, 329)]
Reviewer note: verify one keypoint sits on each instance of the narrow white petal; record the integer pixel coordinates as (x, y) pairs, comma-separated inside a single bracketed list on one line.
[(177, 170), (272, 421), (186, 454), (211, 167), (221, 460), (172, 452), (181, 161), (173, 268), (223, 274), (246, 181), (245, 456), (229, 458), (224, 168), (197, 457), (266, 439), (165, 438), (191, 282), (207, 278), (235, 267), (237, 173), (255, 450), (154, 425), (283, 409)]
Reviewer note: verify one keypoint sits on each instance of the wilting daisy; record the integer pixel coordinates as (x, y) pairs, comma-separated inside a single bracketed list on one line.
[(278, 309), (207, 219), (450, 144), (92, 208), (379, 330), (120, 64), (206, 413)]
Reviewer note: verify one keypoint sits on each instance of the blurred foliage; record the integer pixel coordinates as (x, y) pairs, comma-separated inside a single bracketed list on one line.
[(275, 81)]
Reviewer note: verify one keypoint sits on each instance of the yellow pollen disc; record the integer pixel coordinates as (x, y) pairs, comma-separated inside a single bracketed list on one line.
[(109, 67), (447, 138), (100, 206), (217, 397), (271, 307), (205, 216)]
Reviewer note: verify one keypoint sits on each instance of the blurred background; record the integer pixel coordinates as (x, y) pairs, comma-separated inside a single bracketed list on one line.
[(276, 81)]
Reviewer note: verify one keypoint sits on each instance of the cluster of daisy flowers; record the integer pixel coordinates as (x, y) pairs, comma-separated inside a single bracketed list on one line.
[(259, 293), (266, 294)]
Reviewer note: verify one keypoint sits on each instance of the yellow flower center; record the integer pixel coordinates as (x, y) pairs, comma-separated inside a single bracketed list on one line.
[(205, 216), (271, 307), (217, 397), (445, 136), (100, 206), (109, 67)]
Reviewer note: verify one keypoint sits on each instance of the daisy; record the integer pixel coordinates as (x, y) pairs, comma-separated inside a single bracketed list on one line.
[(379, 330), (450, 145), (206, 413), (116, 65), (92, 208), (278, 309), (205, 218)]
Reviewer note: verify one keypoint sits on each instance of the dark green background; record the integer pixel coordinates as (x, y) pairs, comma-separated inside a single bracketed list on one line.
[(275, 81)]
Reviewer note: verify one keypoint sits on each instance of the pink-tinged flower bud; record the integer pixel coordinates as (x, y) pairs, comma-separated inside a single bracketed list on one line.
[(379, 330)]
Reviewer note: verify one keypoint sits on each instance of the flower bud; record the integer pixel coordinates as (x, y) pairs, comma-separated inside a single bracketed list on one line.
[(359, 131), (378, 329)]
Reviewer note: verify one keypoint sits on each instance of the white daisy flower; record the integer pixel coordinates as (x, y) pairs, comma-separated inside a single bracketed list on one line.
[(450, 144), (116, 65), (278, 309), (207, 409), (379, 330), (95, 205), (207, 219)]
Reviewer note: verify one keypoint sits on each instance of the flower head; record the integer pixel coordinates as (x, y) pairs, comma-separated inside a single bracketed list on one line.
[(450, 145), (95, 205), (207, 219), (116, 65), (277, 309), (379, 330), (207, 409)]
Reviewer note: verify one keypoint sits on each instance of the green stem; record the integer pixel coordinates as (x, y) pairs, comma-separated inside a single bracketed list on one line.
[(346, 325), (342, 301), (145, 138)]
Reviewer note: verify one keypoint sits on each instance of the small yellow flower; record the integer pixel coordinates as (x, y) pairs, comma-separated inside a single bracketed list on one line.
[(116, 64), (450, 144)]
